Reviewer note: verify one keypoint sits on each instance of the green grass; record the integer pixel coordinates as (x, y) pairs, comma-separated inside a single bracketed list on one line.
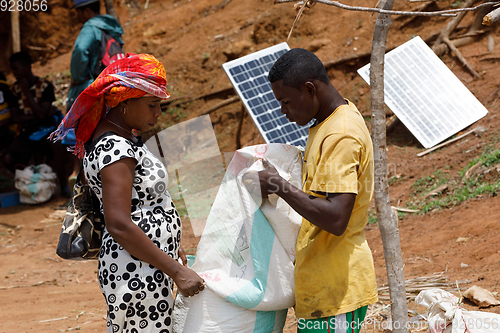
[(459, 188), (429, 183), (372, 218), (456, 4)]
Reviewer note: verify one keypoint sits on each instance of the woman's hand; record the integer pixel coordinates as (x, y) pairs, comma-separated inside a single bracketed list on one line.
[(188, 282)]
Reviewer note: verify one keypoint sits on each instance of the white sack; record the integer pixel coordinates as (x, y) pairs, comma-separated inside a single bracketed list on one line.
[(209, 313), (246, 253), (445, 315), (36, 184)]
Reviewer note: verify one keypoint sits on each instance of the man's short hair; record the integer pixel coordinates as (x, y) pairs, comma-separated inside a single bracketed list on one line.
[(296, 67), (22, 57)]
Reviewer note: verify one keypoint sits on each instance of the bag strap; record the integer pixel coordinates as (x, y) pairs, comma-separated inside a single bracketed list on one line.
[(81, 177), (159, 146)]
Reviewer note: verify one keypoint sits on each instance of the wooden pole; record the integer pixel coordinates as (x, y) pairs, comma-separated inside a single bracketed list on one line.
[(385, 215), (110, 9), (16, 36)]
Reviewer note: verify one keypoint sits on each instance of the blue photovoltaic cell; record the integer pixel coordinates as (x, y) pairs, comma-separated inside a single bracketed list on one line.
[(248, 75)]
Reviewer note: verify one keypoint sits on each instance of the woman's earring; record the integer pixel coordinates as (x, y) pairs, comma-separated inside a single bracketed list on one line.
[(124, 110)]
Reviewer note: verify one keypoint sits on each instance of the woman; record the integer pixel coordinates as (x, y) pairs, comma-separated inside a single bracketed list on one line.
[(141, 242)]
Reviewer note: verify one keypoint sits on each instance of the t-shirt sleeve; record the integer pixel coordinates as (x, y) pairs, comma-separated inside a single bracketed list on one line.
[(337, 166), (114, 148)]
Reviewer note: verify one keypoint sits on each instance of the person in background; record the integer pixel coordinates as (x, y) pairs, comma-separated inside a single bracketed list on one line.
[(33, 114), (334, 272), (7, 129), (141, 241), (86, 57)]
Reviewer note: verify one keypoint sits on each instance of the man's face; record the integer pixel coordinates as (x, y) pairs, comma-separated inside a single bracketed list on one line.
[(296, 104), (82, 16), (19, 69)]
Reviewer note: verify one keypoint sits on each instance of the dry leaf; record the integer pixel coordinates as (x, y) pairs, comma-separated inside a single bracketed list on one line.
[(481, 297)]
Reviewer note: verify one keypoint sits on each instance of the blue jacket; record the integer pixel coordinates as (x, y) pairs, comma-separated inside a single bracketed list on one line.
[(86, 52)]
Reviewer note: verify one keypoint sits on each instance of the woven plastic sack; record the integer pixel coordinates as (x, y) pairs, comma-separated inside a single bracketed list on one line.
[(246, 252), (445, 315), (36, 184)]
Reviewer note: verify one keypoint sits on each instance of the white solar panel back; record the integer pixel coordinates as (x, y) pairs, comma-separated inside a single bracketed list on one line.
[(425, 94), (248, 75)]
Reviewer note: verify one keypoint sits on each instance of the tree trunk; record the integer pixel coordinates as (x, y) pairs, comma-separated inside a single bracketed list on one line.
[(110, 9), (385, 216)]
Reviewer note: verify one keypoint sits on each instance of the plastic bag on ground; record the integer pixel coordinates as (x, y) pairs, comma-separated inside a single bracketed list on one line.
[(445, 315), (36, 184)]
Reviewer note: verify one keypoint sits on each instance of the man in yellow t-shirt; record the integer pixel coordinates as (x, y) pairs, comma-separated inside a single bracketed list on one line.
[(334, 273)]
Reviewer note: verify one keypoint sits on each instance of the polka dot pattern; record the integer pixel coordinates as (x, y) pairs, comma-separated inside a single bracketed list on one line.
[(139, 296)]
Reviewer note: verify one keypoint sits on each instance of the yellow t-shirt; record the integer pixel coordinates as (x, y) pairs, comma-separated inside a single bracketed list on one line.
[(335, 274)]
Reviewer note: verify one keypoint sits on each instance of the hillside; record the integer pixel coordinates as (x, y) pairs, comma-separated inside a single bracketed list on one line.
[(455, 231)]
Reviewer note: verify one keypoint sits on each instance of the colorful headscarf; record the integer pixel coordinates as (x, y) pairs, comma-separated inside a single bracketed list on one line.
[(134, 76)]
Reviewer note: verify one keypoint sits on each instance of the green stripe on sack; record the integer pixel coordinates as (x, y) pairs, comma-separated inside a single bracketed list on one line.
[(264, 321), (35, 178), (261, 245), (33, 189)]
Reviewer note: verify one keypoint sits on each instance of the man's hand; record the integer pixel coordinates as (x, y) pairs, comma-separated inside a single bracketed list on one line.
[(270, 180), (264, 182)]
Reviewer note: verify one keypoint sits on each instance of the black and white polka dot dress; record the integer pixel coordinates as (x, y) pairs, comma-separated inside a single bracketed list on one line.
[(139, 296)]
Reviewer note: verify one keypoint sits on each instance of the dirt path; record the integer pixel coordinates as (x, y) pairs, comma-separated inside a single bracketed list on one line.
[(43, 293)]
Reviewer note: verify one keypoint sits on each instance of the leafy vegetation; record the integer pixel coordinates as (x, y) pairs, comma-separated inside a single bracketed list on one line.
[(480, 177)]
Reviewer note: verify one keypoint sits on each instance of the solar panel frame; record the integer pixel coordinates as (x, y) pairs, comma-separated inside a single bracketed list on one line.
[(425, 94), (248, 75)]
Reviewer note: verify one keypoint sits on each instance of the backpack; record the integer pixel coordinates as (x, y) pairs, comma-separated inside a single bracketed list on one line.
[(109, 52)]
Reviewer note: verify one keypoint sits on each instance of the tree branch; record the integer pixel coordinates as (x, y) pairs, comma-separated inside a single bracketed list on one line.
[(217, 106), (459, 55), (450, 12)]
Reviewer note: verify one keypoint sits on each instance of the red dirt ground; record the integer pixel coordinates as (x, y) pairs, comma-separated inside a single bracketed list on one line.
[(43, 293)]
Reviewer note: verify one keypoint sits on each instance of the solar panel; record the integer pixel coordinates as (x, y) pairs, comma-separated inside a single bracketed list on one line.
[(248, 75), (425, 94)]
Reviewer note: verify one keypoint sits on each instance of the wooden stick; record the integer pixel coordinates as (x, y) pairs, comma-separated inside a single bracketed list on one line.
[(420, 8), (459, 55), (446, 32), (477, 129), (221, 104), (55, 319), (492, 17), (450, 12), (186, 99), (16, 35), (405, 210)]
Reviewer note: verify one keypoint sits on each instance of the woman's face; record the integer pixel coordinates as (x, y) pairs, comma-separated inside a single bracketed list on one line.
[(142, 113)]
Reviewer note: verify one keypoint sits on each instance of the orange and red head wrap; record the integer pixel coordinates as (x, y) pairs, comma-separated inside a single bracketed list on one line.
[(134, 76)]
